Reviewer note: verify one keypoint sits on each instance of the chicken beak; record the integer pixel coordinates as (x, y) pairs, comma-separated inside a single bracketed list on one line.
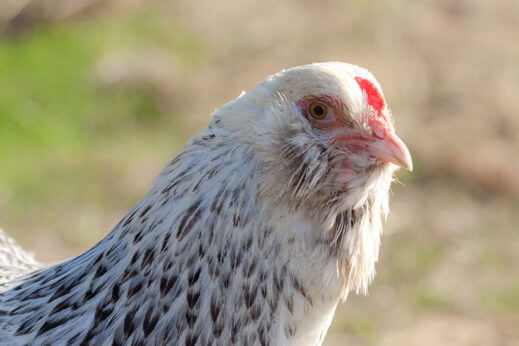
[(392, 149)]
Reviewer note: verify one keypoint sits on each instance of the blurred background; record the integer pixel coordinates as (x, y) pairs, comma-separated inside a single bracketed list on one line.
[(97, 95)]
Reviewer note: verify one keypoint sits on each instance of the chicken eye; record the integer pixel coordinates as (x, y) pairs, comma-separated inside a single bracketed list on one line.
[(318, 110)]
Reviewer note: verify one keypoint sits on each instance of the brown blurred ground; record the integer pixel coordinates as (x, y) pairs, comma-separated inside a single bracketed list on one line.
[(448, 270)]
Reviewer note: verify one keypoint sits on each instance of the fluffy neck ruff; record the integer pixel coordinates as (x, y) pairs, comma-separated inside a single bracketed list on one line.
[(307, 176), (350, 228), (356, 233)]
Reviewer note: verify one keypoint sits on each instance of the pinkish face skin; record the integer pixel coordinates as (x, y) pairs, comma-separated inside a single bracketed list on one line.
[(382, 143)]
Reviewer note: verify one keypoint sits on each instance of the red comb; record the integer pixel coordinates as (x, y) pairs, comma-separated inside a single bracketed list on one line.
[(375, 99)]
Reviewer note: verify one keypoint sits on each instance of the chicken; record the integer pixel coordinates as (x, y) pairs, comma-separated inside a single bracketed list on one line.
[(252, 234), (14, 261)]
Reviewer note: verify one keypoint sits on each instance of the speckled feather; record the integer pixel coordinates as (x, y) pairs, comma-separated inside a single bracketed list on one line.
[(14, 261), (248, 236)]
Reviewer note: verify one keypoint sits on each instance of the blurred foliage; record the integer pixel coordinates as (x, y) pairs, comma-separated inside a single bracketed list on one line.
[(411, 259), (53, 106), (429, 300), (361, 326), (505, 299)]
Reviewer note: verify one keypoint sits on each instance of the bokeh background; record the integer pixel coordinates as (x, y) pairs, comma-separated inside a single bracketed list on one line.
[(96, 95)]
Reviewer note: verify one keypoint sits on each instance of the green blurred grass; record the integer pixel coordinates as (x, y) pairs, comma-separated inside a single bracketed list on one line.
[(427, 299), (502, 300), (52, 108), (362, 326)]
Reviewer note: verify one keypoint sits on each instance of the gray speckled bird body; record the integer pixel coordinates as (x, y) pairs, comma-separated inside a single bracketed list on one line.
[(252, 234)]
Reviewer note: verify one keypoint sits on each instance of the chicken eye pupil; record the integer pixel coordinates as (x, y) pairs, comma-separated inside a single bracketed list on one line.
[(318, 110)]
